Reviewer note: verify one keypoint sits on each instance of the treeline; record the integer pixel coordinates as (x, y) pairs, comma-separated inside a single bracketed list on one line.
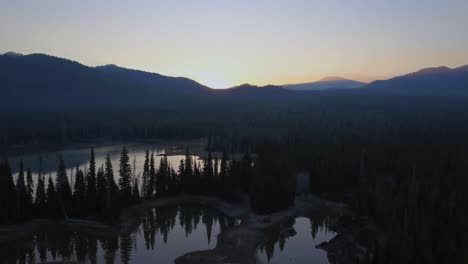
[(316, 116), (93, 194), (268, 180)]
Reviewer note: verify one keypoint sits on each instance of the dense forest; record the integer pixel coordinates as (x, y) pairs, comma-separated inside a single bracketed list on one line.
[(98, 195)]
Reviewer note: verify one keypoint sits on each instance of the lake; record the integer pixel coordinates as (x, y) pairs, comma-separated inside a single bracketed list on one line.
[(79, 157), (162, 234)]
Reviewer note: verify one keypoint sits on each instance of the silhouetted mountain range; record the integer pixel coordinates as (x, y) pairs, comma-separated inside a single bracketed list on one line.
[(38, 80), (327, 83), (155, 80), (439, 81)]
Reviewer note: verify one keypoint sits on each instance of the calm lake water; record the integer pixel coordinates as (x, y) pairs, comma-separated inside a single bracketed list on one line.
[(300, 247), (163, 235)]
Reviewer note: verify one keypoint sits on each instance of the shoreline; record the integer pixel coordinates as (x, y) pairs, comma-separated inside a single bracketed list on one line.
[(19, 150)]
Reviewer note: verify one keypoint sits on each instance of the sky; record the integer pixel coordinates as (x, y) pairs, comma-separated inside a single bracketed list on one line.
[(223, 43)]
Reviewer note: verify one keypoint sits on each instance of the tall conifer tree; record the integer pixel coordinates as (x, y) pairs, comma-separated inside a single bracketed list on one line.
[(125, 173), (101, 187), (111, 187), (7, 194), (152, 178), (52, 202), (145, 180), (91, 195), (23, 202), (41, 196), (29, 186), (62, 187), (79, 192)]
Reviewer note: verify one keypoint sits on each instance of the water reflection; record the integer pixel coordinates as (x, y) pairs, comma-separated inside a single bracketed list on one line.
[(296, 244), (163, 235)]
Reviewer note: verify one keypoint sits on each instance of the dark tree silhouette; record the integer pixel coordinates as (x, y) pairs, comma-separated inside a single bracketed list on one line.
[(41, 197), (91, 192), (101, 190), (29, 186), (79, 192), (53, 209), (152, 188), (145, 178), (112, 191), (136, 192), (23, 201), (64, 192), (7, 194), (125, 173)]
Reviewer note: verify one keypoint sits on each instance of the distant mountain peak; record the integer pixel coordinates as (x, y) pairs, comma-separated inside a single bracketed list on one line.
[(431, 70), (332, 79), (109, 67), (462, 68), (13, 54), (327, 83)]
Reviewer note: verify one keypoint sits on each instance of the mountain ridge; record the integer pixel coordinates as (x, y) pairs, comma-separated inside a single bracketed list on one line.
[(326, 83)]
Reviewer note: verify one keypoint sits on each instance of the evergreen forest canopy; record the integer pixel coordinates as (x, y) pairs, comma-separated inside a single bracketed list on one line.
[(394, 150)]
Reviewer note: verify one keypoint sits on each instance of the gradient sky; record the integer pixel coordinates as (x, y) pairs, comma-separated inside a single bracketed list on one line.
[(222, 43)]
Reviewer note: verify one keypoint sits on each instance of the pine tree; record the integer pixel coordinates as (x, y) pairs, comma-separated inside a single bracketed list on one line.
[(188, 163), (208, 167), (111, 186), (7, 194), (223, 166), (152, 178), (196, 178), (215, 168), (101, 189), (162, 176), (91, 195), (29, 186), (23, 205), (187, 179), (64, 192), (41, 196), (125, 172), (52, 203), (79, 192), (136, 191), (175, 182), (182, 168), (145, 180), (183, 175)]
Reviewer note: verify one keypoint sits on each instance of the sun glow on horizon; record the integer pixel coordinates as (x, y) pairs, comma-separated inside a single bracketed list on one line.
[(213, 79)]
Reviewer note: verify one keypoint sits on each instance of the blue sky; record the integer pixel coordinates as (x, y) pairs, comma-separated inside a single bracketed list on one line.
[(224, 43)]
